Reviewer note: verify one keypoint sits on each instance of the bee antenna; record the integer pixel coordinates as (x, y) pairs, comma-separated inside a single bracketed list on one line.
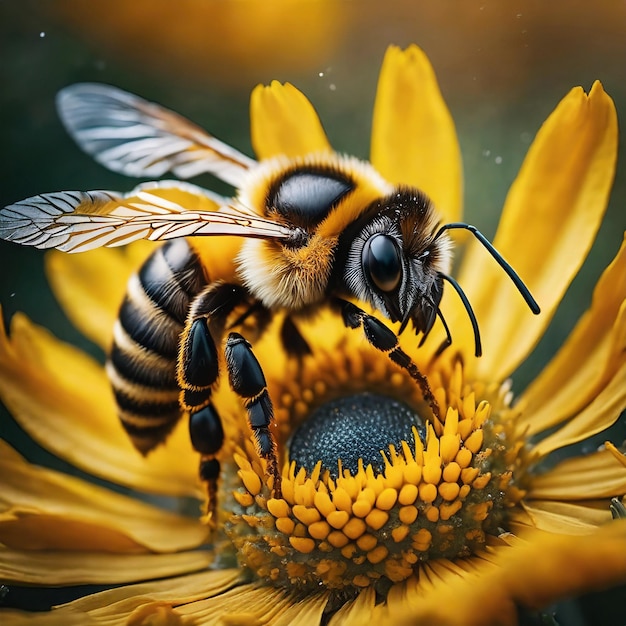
[(517, 281), (470, 313), (448, 340)]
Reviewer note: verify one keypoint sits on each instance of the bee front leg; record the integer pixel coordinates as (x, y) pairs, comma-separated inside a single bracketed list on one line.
[(384, 339), (247, 380)]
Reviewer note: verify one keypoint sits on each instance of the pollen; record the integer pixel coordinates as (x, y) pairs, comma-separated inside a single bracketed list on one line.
[(307, 515), (302, 544), (377, 519), (338, 519), (386, 499), (408, 494), (251, 482), (278, 508)]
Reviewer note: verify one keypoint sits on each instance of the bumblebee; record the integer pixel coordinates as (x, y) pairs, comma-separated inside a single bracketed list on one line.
[(322, 229)]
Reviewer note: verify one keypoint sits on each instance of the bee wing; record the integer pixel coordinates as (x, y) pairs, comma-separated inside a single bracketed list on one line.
[(75, 221), (130, 135)]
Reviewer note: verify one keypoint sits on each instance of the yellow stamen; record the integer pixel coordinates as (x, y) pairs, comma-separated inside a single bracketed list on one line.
[(302, 544), (377, 519)]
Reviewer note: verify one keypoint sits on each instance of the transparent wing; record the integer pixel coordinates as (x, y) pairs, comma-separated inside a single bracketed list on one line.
[(130, 135), (75, 221)]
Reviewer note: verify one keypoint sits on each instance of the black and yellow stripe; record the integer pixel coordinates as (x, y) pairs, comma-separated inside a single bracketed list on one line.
[(142, 360)]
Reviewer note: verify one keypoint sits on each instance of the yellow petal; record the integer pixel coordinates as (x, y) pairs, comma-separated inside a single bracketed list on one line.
[(52, 568), (62, 398), (597, 475), (414, 140), (247, 605), (90, 286), (554, 566), (23, 529), (564, 517), (284, 122), (598, 415), (41, 509), (586, 361), (179, 590), (307, 611), (23, 618), (531, 573), (357, 611), (204, 598), (549, 221)]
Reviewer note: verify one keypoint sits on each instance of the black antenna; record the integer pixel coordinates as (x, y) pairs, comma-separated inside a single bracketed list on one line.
[(517, 281), (447, 342), (470, 313)]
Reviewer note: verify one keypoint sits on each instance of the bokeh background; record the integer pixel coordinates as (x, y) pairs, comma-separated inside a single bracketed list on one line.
[(502, 67)]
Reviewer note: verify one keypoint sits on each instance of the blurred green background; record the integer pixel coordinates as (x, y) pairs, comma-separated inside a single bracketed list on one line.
[(502, 67)]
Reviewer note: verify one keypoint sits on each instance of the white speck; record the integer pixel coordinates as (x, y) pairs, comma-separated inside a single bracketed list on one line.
[(332, 87), (42, 34), (486, 153), (321, 74), (498, 160), (518, 15), (13, 295)]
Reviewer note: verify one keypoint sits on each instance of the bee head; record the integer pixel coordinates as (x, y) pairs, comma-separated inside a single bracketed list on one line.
[(393, 261)]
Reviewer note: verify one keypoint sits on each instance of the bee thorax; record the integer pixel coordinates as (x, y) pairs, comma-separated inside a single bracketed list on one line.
[(285, 277)]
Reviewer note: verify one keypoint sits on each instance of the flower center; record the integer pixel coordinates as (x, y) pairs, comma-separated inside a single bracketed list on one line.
[(353, 429), (369, 492)]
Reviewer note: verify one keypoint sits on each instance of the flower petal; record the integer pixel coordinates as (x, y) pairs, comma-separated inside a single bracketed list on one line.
[(595, 349), (534, 572), (307, 611), (176, 591), (41, 509), (357, 611), (597, 475), (563, 517), (414, 140), (62, 398), (284, 122), (246, 605), (90, 286), (23, 618), (51, 568), (205, 598), (549, 221), (598, 415)]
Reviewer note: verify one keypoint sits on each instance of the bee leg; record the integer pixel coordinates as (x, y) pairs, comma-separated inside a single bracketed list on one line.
[(385, 340), (292, 340), (198, 368), (247, 380), (197, 372), (207, 437)]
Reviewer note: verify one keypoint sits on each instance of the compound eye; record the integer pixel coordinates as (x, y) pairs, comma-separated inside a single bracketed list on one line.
[(381, 262)]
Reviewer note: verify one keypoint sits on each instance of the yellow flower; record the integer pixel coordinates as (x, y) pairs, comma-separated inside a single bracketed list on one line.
[(456, 522)]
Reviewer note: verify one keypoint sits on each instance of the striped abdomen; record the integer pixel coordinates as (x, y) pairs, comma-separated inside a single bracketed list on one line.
[(142, 362)]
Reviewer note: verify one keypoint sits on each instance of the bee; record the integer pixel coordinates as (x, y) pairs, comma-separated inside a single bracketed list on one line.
[(316, 230)]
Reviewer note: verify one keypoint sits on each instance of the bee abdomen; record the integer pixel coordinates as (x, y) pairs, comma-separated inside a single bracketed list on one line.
[(142, 361)]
